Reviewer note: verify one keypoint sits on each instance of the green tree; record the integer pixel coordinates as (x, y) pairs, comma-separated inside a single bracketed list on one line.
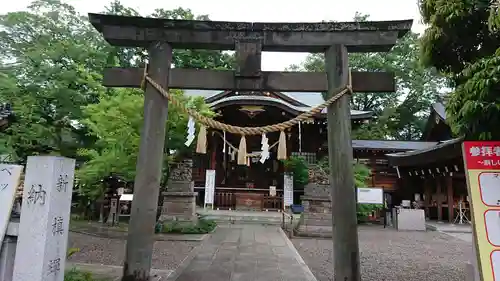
[(402, 114), (51, 64), (298, 167), (201, 59), (52, 58), (117, 153), (116, 122), (463, 41)]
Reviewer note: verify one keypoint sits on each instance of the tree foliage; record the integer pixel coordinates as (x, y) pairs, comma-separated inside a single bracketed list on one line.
[(463, 41), (52, 60), (51, 66), (117, 145), (319, 173), (402, 114), (298, 167)]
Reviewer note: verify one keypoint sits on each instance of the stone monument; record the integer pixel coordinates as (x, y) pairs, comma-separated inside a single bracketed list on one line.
[(9, 182), (179, 201), (45, 214)]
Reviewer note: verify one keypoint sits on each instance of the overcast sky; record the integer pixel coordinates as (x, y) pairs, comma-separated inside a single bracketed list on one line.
[(263, 11)]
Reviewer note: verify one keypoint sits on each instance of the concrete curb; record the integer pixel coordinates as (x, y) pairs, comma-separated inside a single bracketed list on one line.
[(450, 230), (114, 271), (121, 235), (310, 276)]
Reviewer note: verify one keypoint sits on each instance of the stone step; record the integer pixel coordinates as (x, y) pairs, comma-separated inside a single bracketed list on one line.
[(310, 234), (317, 222), (325, 216), (244, 219), (314, 231)]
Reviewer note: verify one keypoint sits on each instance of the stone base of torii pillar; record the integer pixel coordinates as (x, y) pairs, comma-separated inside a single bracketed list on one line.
[(317, 217), (179, 201)]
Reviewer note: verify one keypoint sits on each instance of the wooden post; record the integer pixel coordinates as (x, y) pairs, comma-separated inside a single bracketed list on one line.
[(449, 192), (373, 164), (140, 239), (427, 193), (439, 196), (213, 154), (345, 231)]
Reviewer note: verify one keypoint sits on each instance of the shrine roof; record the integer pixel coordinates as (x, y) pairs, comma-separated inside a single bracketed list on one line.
[(436, 127), (440, 109), (280, 95), (284, 105), (391, 145), (307, 99), (441, 151)]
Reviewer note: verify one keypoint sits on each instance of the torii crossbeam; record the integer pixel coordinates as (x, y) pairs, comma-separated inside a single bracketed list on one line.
[(249, 40)]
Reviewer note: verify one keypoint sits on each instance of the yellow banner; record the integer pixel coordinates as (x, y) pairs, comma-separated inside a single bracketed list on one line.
[(482, 166)]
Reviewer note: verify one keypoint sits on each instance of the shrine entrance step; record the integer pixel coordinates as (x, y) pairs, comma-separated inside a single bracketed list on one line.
[(243, 217), (448, 227)]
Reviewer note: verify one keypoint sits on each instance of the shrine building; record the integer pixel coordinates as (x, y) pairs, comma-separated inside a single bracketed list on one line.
[(435, 174), (237, 183)]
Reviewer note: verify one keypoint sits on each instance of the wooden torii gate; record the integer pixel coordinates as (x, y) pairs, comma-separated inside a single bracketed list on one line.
[(334, 39)]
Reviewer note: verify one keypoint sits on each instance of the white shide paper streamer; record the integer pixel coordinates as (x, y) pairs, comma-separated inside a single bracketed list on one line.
[(264, 155), (191, 130)]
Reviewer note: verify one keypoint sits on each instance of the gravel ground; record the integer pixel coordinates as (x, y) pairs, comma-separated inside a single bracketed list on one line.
[(388, 255), (166, 255)]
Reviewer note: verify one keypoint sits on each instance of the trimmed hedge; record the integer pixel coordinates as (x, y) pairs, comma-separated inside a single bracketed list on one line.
[(203, 226)]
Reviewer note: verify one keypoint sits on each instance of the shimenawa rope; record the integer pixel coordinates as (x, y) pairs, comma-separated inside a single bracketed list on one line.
[(245, 131)]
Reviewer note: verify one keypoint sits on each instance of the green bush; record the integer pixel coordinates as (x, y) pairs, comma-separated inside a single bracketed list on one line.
[(72, 251), (364, 210), (201, 227), (299, 168), (361, 172), (78, 275)]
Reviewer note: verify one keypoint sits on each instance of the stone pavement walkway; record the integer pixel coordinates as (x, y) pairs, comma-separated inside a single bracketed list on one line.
[(245, 253)]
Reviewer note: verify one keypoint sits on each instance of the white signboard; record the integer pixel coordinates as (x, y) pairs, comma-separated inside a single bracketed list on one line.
[(492, 222), (126, 197), (288, 190), (495, 263), (45, 213), (9, 181), (272, 190), (209, 186), (489, 186), (370, 195)]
